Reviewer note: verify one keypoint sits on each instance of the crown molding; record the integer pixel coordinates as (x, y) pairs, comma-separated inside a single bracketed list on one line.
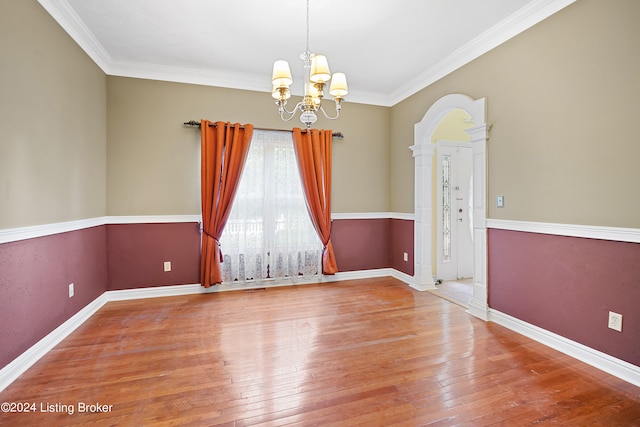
[(217, 78), (66, 17), (503, 31), (197, 76), (506, 29)]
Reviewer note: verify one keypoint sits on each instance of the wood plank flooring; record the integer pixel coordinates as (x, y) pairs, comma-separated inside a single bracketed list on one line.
[(368, 352), (456, 291)]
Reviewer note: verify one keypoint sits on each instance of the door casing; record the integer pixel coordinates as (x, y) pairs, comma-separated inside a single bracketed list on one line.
[(423, 153)]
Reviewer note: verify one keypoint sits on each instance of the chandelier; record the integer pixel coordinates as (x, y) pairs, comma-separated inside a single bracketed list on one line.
[(317, 75)]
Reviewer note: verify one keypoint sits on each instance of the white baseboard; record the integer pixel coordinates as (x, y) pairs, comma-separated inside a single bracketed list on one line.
[(154, 292), (619, 368), (18, 366), (358, 274), (616, 367), (403, 277), (191, 289), (478, 309)]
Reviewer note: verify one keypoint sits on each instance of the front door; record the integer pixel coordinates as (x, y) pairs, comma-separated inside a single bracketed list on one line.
[(454, 223)]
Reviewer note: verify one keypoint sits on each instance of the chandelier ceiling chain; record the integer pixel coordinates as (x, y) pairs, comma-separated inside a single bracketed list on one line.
[(308, 32), (306, 55), (317, 75)]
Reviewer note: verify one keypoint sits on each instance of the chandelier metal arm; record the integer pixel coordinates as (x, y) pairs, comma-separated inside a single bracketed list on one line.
[(293, 111), (283, 110), (328, 116)]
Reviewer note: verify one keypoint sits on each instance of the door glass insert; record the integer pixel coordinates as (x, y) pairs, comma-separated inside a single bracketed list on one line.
[(446, 207)]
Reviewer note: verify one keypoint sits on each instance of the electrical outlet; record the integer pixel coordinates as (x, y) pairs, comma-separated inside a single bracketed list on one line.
[(406, 257), (615, 321), (167, 266), (500, 201), (71, 291)]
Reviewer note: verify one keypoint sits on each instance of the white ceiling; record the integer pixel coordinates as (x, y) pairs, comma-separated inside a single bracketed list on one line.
[(389, 49)]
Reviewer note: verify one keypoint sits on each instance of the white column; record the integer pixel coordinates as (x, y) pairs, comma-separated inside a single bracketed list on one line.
[(422, 234), (478, 306)]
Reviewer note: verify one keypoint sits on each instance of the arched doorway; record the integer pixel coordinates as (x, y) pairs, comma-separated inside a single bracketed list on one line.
[(423, 153)]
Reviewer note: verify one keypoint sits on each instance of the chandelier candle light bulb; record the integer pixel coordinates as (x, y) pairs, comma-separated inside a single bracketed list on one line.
[(317, 75)]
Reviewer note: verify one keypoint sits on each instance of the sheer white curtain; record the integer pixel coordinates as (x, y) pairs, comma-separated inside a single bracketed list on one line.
[(269, 233)]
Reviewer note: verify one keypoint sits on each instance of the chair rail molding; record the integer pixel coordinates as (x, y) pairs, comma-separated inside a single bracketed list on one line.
[(618, 234)]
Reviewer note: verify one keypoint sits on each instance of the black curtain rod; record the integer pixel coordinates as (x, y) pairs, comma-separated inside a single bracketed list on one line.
[(193, 123)]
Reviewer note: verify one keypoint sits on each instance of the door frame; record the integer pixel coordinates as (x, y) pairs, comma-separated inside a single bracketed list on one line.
[(423, 153)]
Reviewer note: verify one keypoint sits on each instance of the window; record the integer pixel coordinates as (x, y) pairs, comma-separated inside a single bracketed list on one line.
[(269, 233)]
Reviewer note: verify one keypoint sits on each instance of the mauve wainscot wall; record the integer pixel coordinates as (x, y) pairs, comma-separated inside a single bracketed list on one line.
[(35, 273), (34, 285), (401, 242), (568, 285), (367, 244), (136, 254)]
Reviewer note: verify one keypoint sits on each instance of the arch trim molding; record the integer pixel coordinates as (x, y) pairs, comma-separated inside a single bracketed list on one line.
[(423, 152)]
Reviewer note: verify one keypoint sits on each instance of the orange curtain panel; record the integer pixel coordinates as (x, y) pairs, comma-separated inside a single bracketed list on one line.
[(313, 151), (224, 151)]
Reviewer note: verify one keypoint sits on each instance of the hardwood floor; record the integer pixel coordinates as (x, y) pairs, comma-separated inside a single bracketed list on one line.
[(364, 352), (456, 291)]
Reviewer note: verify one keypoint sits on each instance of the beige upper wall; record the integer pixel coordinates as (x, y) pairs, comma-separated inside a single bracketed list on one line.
[(562, 98), (52, 122), (153, 160)]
